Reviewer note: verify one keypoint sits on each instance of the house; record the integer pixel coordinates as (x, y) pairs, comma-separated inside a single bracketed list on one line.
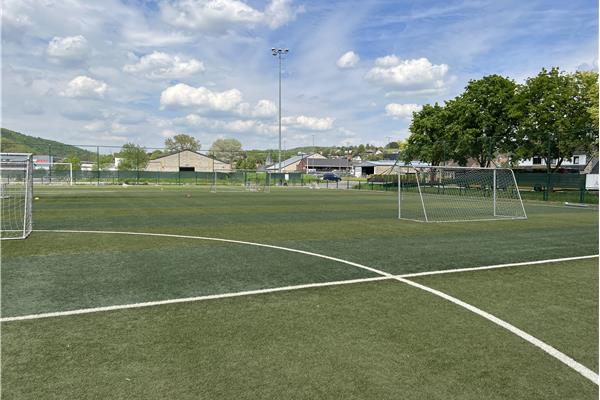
[(187, 160), (292, 164)]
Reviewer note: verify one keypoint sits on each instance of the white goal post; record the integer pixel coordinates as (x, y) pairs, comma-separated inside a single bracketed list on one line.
[(454, 194), (16, 193)]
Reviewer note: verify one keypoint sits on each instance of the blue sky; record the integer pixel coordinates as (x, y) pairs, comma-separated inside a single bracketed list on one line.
[(110, 72)]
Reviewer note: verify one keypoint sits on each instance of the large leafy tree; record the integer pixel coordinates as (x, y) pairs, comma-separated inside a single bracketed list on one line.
[(481, 123), (429, 137), (182, 142), (133, 157), (587, 84), (554, 120), (229, 150)]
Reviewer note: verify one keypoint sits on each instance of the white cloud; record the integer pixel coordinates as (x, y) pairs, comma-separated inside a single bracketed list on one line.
[(280, 12), (404, 111), (96, 126), (235, 126), (70, 48), (160, 65), (348, 60), (221, 15), (310, 123), (182, 95), (84, 87), (264, 109), (387, 61), (413, 75)]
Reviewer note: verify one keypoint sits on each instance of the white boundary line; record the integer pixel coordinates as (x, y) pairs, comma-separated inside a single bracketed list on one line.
[(583, 370), (269, 246), (189, 299), (518, 264)]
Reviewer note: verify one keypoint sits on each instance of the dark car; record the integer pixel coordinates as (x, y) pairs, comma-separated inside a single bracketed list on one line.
[(330, 176)]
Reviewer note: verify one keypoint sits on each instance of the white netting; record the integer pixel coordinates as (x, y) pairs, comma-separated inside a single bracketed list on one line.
[(445, 194), (241, 181), (15, 196), (53, 173)]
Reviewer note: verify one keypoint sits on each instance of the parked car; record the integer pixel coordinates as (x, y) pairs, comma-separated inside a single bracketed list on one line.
[(330, 176)]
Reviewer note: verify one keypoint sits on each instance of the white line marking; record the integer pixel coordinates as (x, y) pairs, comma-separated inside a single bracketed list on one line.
[(226, 241), (190, 299), (518, 264), (583, 370), (586, 372)]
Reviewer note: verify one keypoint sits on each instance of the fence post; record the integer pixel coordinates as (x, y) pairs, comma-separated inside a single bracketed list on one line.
[(50, 163), (98, 164)]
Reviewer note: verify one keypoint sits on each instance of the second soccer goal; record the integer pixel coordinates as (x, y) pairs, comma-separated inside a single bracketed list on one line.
[(453, 194)]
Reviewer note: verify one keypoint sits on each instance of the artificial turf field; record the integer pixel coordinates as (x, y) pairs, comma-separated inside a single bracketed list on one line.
[(371, 339)]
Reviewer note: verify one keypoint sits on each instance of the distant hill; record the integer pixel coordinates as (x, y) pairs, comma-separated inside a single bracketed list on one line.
[(15, 142)]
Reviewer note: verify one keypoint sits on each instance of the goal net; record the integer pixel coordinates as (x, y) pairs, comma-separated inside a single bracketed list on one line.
[(452, 194), (16, 187), (55, 173), (241, 181)]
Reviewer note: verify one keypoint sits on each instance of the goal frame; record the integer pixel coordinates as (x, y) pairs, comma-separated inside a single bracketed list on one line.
[(27, 162), (405, 169), (248, 185), (52, 164)]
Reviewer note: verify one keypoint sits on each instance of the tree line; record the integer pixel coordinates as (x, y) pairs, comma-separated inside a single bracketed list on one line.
[(551, 116)]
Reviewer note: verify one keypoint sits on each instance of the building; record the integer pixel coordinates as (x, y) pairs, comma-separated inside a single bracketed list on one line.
[(293, 164), (42, 161), (591, 174), (318, 165), (383, 167), (577, 161), (187, 160)]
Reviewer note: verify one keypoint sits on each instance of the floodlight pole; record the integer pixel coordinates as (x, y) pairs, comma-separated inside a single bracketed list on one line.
[(278, 53)]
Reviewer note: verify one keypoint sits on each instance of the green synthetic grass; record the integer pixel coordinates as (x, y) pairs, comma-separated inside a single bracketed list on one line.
[(557, 303), (84, 271), (375, 340), (57, 272), (363, 341)]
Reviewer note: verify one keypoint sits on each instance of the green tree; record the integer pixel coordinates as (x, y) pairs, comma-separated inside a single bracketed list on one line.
[(155, 154), (587, 83), (182, 142), (229, 150), (247, 163), (428, 140), (554, 120), (481, 121), (133, 157), (73, 159), (105, 161)]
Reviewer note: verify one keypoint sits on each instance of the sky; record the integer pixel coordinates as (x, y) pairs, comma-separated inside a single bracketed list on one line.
[(115, 71)]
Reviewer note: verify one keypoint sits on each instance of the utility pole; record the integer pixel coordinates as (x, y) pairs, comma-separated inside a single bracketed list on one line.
[(278, 53)]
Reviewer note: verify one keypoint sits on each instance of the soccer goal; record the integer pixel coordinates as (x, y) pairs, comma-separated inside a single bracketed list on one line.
[(241, 181), (16, 187), (55, 173), (453, 194)]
